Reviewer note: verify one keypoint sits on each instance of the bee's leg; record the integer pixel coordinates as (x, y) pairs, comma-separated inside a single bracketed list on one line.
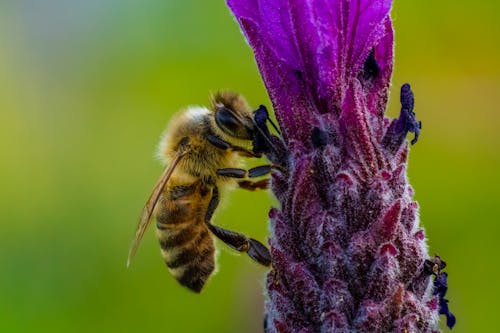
[(253, 172), (252, 186), (224, 145), (255, 249), (242, 173)]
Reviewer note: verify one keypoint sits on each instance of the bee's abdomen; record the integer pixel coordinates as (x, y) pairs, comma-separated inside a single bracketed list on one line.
[(186, 243), (189, 254)]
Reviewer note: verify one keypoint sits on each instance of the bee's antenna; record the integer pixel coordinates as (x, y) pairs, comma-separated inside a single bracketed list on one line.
[(274, 125)]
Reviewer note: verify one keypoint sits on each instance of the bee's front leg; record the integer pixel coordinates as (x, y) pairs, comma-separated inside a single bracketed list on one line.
[(224, 145)]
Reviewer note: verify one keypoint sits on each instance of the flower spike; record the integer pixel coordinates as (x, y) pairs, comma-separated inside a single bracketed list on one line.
[(348, 254)]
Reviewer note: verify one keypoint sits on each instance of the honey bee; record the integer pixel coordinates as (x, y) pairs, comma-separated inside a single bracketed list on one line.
[(203, 148)]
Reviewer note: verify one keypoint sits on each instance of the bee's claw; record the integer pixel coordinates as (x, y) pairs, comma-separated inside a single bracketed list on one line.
[(259, 252)]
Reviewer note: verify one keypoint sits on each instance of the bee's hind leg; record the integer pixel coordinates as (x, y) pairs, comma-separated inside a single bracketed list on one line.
[(255, 249)]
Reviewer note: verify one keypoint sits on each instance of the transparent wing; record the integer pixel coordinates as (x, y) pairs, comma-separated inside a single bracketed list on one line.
[(151, 203)]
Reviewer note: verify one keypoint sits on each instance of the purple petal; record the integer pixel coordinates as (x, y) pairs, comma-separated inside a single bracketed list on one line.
[(309, 52)]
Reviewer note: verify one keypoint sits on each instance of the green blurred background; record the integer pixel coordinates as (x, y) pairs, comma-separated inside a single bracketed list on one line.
[(86, 88)]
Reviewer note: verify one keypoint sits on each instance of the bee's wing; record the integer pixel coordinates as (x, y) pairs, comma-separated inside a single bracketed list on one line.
[(151, 203)]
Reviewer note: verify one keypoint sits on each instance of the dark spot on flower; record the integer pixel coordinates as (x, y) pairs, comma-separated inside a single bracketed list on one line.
[(371, 69), (320, 138), (298, 74)]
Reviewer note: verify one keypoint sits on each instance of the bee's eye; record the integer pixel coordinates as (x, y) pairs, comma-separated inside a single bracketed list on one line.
[(228, 123)]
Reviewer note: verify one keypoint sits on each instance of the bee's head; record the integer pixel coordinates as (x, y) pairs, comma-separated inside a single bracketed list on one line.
[(233, 115)]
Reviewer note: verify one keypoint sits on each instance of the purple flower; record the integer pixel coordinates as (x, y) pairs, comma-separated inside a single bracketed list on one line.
[(348, 254)]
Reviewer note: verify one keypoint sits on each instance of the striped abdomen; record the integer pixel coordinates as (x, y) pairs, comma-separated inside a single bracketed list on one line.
[(186, 243)]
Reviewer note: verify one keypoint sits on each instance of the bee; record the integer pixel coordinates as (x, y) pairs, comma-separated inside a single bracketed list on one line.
[(203, 149)]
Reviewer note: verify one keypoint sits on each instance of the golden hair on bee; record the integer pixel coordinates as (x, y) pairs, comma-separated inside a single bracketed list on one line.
[(203, 148), (230, 100)]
